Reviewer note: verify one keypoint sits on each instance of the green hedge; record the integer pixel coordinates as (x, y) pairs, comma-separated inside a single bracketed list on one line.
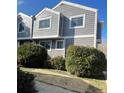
[(31, 55), (85, 61), (58, 63), (25, 82)]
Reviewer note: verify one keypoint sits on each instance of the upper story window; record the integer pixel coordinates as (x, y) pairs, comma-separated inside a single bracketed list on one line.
[(45, 23), (77, 21), (21, 27)]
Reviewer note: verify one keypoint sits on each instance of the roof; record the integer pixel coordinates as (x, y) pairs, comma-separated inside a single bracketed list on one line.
[(47, 9), (20, 13), (75, 5)]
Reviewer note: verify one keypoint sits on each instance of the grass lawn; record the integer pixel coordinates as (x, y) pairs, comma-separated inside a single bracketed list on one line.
[(100, 84), (68, 81)]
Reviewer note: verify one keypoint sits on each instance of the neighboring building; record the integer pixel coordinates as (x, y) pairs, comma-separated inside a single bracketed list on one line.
[(57, 28)]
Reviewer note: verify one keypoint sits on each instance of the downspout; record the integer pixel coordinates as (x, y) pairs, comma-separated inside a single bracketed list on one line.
[(32, 28)]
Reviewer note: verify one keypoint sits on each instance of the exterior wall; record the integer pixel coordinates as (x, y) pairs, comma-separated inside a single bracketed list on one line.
[(99, 31), (53, 52), (18, 44), (54, 30), (88, 41), (21, 42), (60, 28), (61, 24), (69, 11), (27, 26)]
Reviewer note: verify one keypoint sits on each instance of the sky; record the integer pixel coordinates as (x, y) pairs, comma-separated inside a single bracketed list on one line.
[(32, 7)]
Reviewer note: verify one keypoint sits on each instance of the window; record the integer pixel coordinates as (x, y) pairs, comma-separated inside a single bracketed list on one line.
[(77, 21), (59, 44), (21, 27), (18, 43), (44, 23), (46, 44)]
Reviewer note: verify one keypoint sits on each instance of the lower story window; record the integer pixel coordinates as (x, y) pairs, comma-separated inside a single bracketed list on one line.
[(46, 44), (59, 44), (18, 43)]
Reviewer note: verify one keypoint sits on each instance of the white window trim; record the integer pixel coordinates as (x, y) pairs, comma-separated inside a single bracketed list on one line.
[(58, 25), (24, 38), (48, 9), (18, 43), (59, 48), (40, 19), (55, 36), (95, 30), (22, 14), (47, 41), (18, 28), (75, 5), (82, 15)]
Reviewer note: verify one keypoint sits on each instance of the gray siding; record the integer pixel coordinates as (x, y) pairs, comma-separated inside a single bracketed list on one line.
[(27, 27), (88, 41), (68, 11), (53, 52), (25, 34), (60, 28), (46, 32)]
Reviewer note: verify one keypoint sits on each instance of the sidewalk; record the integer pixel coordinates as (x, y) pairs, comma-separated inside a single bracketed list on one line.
[(59, 83), (47, 88)]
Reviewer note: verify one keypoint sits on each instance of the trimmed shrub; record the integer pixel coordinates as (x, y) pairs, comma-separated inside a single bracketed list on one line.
[(47, 63), (85, 61), (58, 63), (25, 82), (31, 55)]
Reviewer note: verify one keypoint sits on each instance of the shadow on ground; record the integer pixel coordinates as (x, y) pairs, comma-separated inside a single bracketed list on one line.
[(74, 85), (100, 77)]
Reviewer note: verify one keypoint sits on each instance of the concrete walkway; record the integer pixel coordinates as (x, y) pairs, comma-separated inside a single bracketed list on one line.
[(53, 81), (47, 88), (46, 83)]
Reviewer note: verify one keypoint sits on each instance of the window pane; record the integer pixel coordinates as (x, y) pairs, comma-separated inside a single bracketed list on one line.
[(45, 44), (44, 23), (77, 21), (42, 43), (21, 27), (60, 44)]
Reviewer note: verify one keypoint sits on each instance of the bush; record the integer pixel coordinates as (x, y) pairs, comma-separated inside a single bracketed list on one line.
[(31, 55), (58, 63), (85, 61), (25, 82)]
